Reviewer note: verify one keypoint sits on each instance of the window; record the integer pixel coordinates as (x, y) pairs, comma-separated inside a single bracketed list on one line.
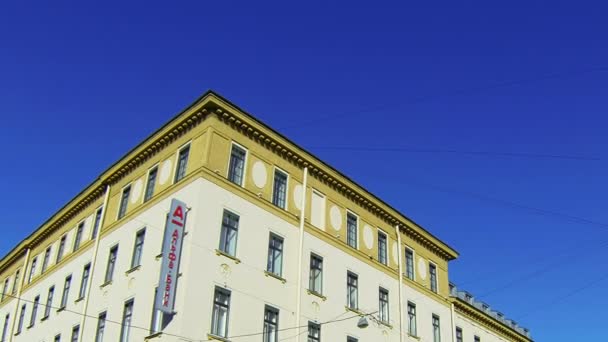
[(5, 288), (158, 322), (46, 259), (96, 224), (458, 334), (352, 290), (78, 236), (101, 327), (411, 319), (21, 317), (351, 230), (314, 332), (382, 248), (409, 263), (279, 189), (124, 200), (221, 312), (127, 316), (433, 272), (182, 164), (5, 327), (477, 339), (351, 339), (237, 165), (316, 274), (34, 311), (75, 332), (271, 324), (138, 249), (61, 249), (111, 263), (275, 255), (383, 305), (230, 227), (436, 329), (16, 281), (66, 291), (32, 269), (150, 184), (57, 338), (49, 302), (86, 273)]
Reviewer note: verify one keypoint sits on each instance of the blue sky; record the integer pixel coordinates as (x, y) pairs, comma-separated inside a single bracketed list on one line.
[(395, 96)]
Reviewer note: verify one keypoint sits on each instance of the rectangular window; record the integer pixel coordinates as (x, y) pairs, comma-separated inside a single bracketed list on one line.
[(159, 321), (477, 339), (78, 236), (436, 329), (150, 184), (49, 302), (382, 248), (101, 327), (111, 264), (351, 230), (182, 163), (21, 318), (32, 269), (279, 189), (61, 249), (317, 210), (383, 311), (5, 288), (316, 274), (5, 327), (16, 282), (57, 338), (409, 263), (86, 273), (96, 224), (228, 237), (138, 249), (275, 255), (433, 273), (352, 290), (314, 332), (127, 317), (351, 339), (221, 313), (75, 332), (271, 324), (411, 319), (459, 334), (66, 291), (46, 259), (124, 201), (34, 311), (236, 168)]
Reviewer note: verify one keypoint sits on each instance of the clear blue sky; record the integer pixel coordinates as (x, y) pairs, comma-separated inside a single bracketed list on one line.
[(81, 84)]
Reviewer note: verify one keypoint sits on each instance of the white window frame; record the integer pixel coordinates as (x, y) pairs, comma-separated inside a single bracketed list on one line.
[(232, 143), (413, 262), (436, 276), (157, 167), (378, 243), (174, 173), (348, 211), (122, 191), (274, 170)]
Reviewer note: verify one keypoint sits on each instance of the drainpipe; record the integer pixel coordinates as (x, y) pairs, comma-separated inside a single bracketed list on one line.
[(93, 262), (453, 322), (300, 251), (400, 277), (19, 287)]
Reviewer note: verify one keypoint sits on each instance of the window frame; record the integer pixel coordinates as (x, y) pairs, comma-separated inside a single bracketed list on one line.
[(458, 335), (381, 291), (348, 232), (50, 296), (33, 265), (355, 286), (312, 326), (137, 257), (101, 326), (224, 232), (382, 233), (271, 264), (96, 222), (120, 213), (312, 282), (67, 285), (127, 313), (78, 232), (268, 322), (176, 176), (433, 285), (61, 248), (412, 320), (216, 309), (435, 318), (273, 199), (21, 318), (109, 274), (150, 187), (84, 281), (413, 253), (34, 312), (46, 258), (245, 159)]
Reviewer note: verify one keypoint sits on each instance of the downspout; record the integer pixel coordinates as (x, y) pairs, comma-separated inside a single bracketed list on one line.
[(300, 251), (400, 278), (93, 262), (18, 297), (453, 322)]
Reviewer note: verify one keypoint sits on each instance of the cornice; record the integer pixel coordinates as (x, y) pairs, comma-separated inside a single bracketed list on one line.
[(266, 137), (478, 316)]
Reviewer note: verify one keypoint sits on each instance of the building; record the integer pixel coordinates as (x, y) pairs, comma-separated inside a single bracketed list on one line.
[(252, 268)]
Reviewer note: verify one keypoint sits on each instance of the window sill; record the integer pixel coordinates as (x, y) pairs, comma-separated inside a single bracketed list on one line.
[(79, 300), (217, 338), (61, 309), (357, 311), (29, 326), (17, 333), (159, 256), (44, 318), (414, 337), (386, 324), (157, 334), (314, 293), (276, 276), (133, 269), (236, 260), (107, 283)]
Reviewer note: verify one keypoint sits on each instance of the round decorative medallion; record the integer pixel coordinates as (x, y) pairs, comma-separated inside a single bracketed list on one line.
[(259, 174), (422, 268), (137, 189), (297, 196), (335, 217), (368, 237), (165, 172), (395, 252)]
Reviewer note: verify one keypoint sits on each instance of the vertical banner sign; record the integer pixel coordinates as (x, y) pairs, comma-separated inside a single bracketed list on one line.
[(172, 249)]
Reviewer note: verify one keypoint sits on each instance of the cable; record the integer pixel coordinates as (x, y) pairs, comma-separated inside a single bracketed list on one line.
[(447, 151)]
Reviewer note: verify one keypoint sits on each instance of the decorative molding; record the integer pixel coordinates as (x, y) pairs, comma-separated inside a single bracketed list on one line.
[(487, 321)]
